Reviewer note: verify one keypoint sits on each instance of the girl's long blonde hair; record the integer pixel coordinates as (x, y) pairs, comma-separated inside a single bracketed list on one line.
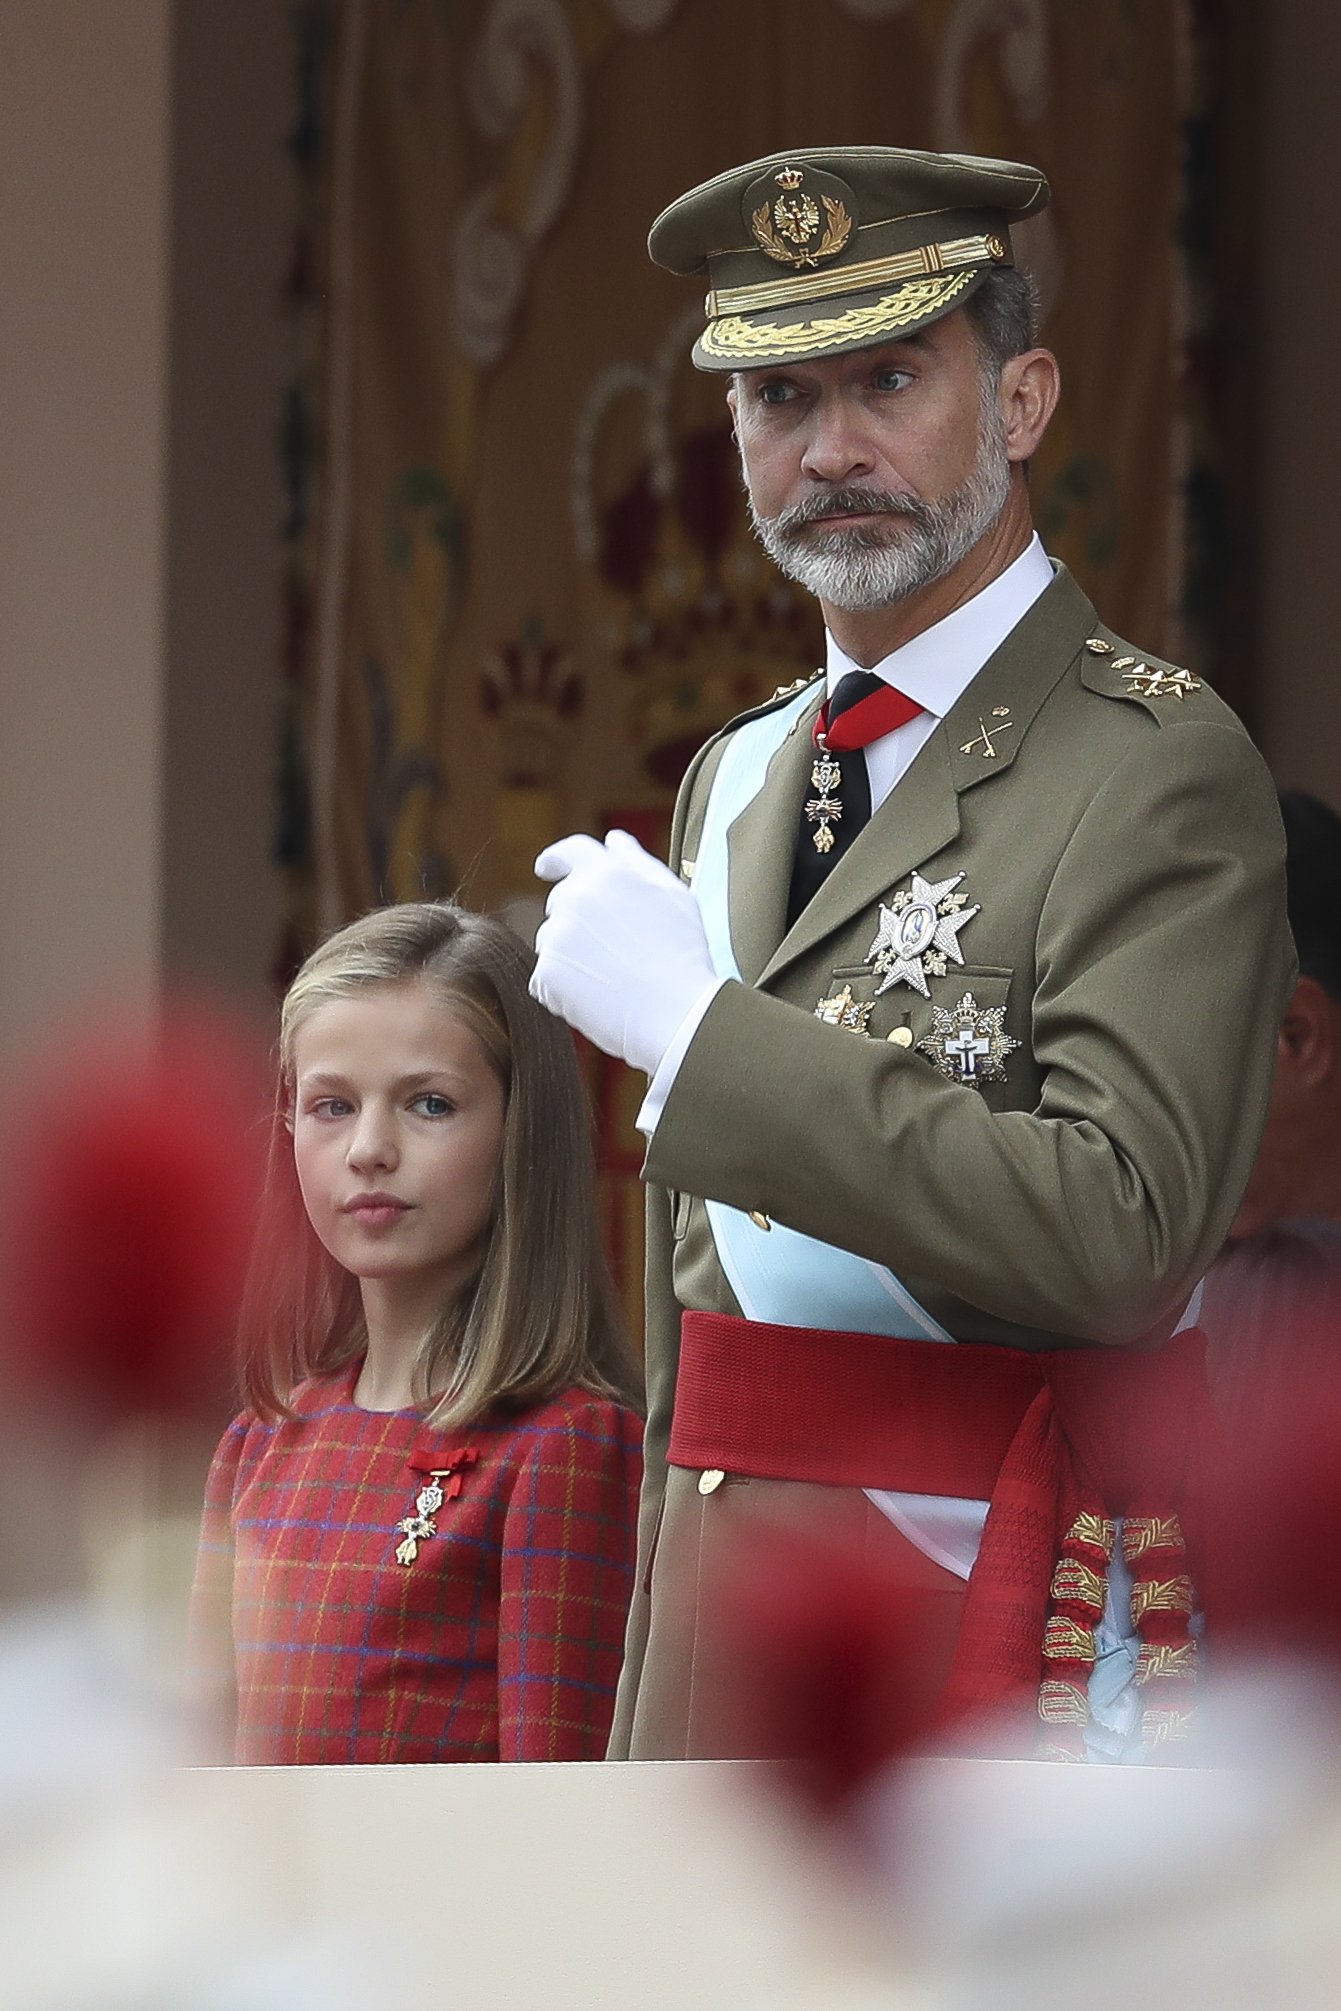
[(539, 1315)]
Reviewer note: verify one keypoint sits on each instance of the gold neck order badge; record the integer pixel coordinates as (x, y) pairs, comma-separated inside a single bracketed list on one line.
[(825, 808), (419, 1526)]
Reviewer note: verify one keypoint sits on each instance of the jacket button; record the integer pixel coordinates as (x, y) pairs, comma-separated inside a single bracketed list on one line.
[(902, 1036), (759, 1219), (710, 1479)]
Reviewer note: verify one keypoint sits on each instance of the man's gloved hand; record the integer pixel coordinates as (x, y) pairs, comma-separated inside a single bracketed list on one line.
[(621, 954)]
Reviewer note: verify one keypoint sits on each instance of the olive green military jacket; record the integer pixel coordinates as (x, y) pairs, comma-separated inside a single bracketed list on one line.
[(1122, 844)]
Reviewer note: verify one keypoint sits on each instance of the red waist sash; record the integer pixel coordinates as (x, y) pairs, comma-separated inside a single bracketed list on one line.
[(847, 1410), (1060, 1444), (928, 1417)]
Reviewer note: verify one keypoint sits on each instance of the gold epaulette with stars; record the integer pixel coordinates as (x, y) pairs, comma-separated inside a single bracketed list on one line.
[(1142, 677), (797, 684)]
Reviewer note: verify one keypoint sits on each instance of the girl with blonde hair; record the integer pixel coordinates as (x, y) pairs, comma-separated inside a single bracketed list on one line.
[(418, 1537)]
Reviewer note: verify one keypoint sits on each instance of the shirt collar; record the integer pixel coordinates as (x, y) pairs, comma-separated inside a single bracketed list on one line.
[(937, 666)]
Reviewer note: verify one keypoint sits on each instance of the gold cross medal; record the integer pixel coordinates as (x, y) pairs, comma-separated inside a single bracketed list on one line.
[(417, 1528), (825, 809), (969, 1044), (420, 1526), (919, 932)]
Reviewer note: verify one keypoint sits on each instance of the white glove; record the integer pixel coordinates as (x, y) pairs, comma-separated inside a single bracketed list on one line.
[(622, 955)]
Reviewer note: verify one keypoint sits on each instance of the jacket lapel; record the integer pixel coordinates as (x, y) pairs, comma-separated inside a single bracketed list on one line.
[(921, 816), (986, 727), (760, 844)]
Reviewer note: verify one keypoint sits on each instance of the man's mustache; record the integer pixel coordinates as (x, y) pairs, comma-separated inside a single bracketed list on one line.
[(847, 503)]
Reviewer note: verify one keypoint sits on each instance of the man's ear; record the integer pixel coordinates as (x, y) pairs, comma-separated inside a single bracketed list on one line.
[(1027, 394), (1308, 1034), (733, 406)]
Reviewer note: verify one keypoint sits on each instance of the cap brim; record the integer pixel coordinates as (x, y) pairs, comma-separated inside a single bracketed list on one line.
[(793, 335)]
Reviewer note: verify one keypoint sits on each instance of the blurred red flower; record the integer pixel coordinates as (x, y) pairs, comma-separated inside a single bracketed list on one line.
[(1275, 1505), (131, 1179), (834, 1664)]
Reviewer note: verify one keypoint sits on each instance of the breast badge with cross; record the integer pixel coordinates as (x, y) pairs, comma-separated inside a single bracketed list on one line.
[(969, 1044)]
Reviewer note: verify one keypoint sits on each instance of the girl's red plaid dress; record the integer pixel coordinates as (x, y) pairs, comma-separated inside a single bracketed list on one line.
[(501, 1640)]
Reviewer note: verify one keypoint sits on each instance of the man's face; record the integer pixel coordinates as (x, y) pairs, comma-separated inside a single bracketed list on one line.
[(873, 474)]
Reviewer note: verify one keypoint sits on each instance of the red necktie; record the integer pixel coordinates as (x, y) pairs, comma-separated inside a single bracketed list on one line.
[(863, 708)]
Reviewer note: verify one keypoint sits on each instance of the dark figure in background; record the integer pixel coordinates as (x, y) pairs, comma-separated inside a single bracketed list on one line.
[(1297, 1175), (1271, 1295)]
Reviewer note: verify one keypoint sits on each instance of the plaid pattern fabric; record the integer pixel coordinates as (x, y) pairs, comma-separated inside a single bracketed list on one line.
[(501, 1641)]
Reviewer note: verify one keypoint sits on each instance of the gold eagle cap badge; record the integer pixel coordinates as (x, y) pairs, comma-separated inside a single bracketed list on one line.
[(800, 216)]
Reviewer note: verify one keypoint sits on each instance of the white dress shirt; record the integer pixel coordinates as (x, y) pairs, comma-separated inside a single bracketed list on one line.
[(935, 669)]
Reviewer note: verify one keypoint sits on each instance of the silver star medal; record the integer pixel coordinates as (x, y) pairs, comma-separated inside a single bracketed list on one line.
[(970, 1043), (918, 931)]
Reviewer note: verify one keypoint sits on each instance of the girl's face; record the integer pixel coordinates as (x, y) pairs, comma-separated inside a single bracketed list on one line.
[(397, 1131)]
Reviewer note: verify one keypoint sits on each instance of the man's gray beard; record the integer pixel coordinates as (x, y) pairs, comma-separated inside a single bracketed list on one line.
[(871, 566)]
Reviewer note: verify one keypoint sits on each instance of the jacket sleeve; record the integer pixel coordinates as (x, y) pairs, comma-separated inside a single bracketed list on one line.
[(662, 1352), (661, 1334), (1162, 966), (566, 1573)]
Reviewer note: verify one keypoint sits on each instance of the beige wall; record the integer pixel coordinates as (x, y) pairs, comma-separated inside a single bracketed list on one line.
[(143, 235), (1297, 376), (84, 205)]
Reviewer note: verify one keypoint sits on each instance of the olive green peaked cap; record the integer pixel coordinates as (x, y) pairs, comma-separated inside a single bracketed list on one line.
[(835, 248)]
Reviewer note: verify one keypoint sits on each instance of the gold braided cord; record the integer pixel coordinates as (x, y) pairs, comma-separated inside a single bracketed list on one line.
[(1167, 1658), (1163, 1728), (1150, 1532), (858, 278), (736, 340), (1075, 1581), (1062, 1703), (1095, 1530), (1161, 1595), (1067, 1640)]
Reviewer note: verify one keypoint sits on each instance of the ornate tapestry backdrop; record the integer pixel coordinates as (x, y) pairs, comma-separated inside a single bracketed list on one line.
[(522, 586)]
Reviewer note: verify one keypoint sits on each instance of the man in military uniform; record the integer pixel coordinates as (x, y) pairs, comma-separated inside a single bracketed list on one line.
[(958, 999)]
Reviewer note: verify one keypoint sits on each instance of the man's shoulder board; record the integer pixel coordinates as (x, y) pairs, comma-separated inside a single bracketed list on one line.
[(797, 684), (1112, 667), (782, 696)]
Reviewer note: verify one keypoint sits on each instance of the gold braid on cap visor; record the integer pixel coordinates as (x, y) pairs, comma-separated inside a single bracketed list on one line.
[(738, 339), (863, 277)]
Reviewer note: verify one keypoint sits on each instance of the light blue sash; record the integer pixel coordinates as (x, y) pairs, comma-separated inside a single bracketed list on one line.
[(777, 1275)]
